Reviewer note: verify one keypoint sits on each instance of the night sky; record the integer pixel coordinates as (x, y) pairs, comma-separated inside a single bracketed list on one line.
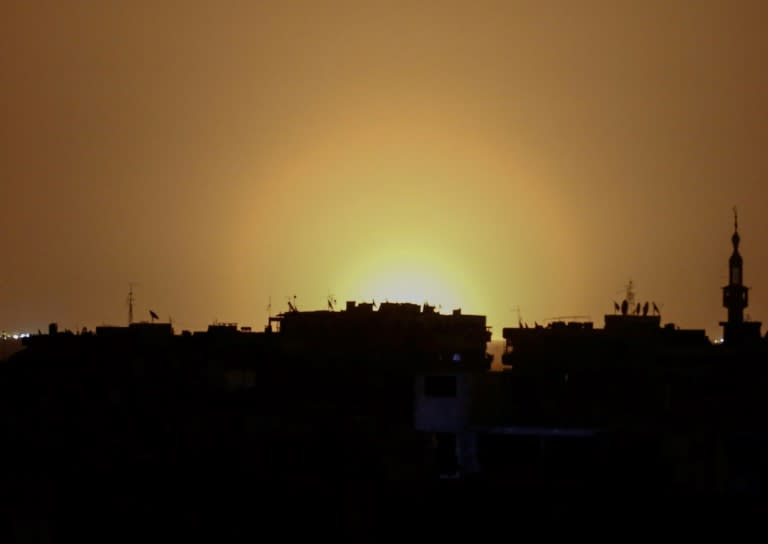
[(483, 155)]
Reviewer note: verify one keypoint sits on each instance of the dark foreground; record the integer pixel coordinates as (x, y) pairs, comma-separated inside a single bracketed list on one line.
[(151, 507)]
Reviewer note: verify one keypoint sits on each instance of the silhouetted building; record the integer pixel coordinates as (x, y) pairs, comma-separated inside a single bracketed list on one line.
[(633, 405)]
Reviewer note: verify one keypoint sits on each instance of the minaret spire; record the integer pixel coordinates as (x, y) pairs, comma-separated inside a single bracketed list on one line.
[(736, 294), (735, 239)]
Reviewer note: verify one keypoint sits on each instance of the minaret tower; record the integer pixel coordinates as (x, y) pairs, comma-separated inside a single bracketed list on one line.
[(735, 295)]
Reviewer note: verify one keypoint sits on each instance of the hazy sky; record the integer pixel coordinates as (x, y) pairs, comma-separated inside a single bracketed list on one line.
[(483, 155)]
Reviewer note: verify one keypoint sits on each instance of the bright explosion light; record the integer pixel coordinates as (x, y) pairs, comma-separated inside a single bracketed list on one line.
[(411, 285)]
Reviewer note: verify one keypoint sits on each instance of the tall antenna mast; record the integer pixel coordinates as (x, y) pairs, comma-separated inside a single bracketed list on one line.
[(631, 295), (130, 302)]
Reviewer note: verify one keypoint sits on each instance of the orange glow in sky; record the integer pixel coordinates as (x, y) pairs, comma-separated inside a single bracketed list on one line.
[(484, 155)]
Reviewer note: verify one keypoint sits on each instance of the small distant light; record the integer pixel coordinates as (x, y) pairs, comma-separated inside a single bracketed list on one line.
[(15, 336), (456, 358)]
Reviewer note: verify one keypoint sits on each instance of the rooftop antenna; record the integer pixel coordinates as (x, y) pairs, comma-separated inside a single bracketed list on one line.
[(631, 294), (331, 302), (735, 220), (130, 301)]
